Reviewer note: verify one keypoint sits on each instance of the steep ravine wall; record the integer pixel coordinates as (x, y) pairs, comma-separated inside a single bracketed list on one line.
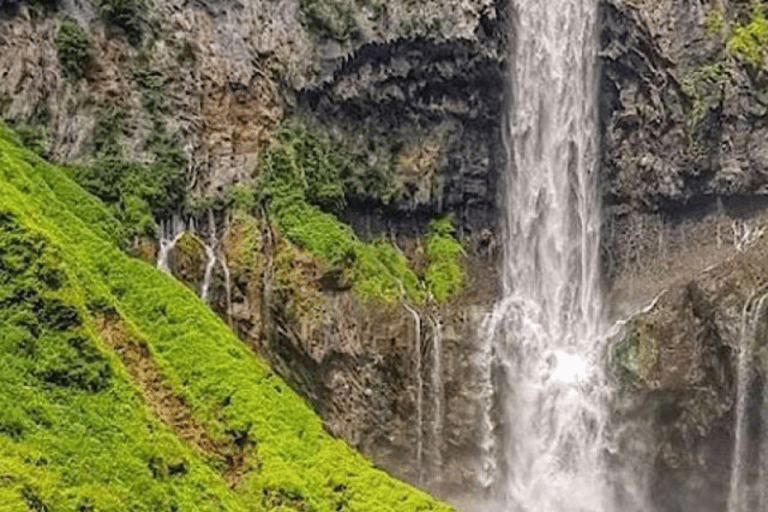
[(684, 169), (683, 175)]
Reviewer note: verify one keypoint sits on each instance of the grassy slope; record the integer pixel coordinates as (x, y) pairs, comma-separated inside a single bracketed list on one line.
[(86, 441)]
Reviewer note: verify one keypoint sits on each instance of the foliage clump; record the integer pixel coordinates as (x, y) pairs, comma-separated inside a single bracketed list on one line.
[(66, 444), (750, 40), (444, 275), (302, 177), (129, 15), (138, 191), (73, 45), (338, 19)]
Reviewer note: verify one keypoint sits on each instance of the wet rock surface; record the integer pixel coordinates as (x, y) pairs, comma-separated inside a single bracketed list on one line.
[(684, 202), (684, 176), (434, 108)]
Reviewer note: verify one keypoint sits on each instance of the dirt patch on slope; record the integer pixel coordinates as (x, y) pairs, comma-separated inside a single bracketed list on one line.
[(170, 407)]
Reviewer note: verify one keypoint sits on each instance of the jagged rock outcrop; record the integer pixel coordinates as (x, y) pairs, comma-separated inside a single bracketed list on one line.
[(678, 363), (683, 136), (436, 110), (418, 91), (215, 77), (683, 131)]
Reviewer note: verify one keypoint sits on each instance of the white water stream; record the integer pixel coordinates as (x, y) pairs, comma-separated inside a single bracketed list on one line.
[(171, 232), (545, 338), (210, 253), (748, 494)]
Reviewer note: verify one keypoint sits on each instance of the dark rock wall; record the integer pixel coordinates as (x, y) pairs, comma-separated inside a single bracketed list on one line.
[(412, 90), (683, 176), (684, 171)]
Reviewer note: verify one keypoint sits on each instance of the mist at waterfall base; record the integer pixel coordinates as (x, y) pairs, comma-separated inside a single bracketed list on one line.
[(545, 394)]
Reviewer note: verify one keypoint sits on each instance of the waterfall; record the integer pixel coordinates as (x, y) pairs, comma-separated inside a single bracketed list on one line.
[(225, 270), (545, 335), (210, 253), (170, 233), (419, 392), (437, 395), (743, 495)]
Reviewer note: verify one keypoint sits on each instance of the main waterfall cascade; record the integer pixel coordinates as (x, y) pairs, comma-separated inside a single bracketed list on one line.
[(545, 413)]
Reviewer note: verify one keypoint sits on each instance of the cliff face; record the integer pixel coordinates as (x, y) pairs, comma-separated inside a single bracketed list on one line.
[(683, 163), (415, 96), (214, 76)]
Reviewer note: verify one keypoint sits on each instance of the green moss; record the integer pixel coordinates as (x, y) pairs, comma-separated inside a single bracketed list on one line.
[(705, 86), (750, 40), (302, 176), (444, 275), (337, 19), (73, 44), (714, 21), (77, 436)]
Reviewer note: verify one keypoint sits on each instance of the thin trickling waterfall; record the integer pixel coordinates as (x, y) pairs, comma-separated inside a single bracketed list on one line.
[(225, 270), (419, 392), (545, 335), (437, 394), (170, 233), (210, 253), (746, 495)]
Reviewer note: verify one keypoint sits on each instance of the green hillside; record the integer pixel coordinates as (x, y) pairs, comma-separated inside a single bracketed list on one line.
[(121, 390)]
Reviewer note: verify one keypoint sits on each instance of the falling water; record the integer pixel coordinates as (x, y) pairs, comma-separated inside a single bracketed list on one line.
[(210, 253), (437, 394), (225, 271), (744, 497), (545, 334), (170, 233), (419, 392)]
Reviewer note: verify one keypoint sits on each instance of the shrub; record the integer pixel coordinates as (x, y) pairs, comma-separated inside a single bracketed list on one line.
[(129, 15), (444, 275), (73, 43), (302, 161), (136, 190)]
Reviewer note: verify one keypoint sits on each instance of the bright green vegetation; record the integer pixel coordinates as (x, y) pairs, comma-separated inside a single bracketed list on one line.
[(75, 433), (302, 177), (73, 43), (750, 40), (444, 275)]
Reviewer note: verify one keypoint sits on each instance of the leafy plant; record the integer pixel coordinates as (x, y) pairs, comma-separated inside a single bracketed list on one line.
[(444, 275), (301, 176), (33, 136), (714, 21), (73, 44), (750, 40), (138, 191)]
